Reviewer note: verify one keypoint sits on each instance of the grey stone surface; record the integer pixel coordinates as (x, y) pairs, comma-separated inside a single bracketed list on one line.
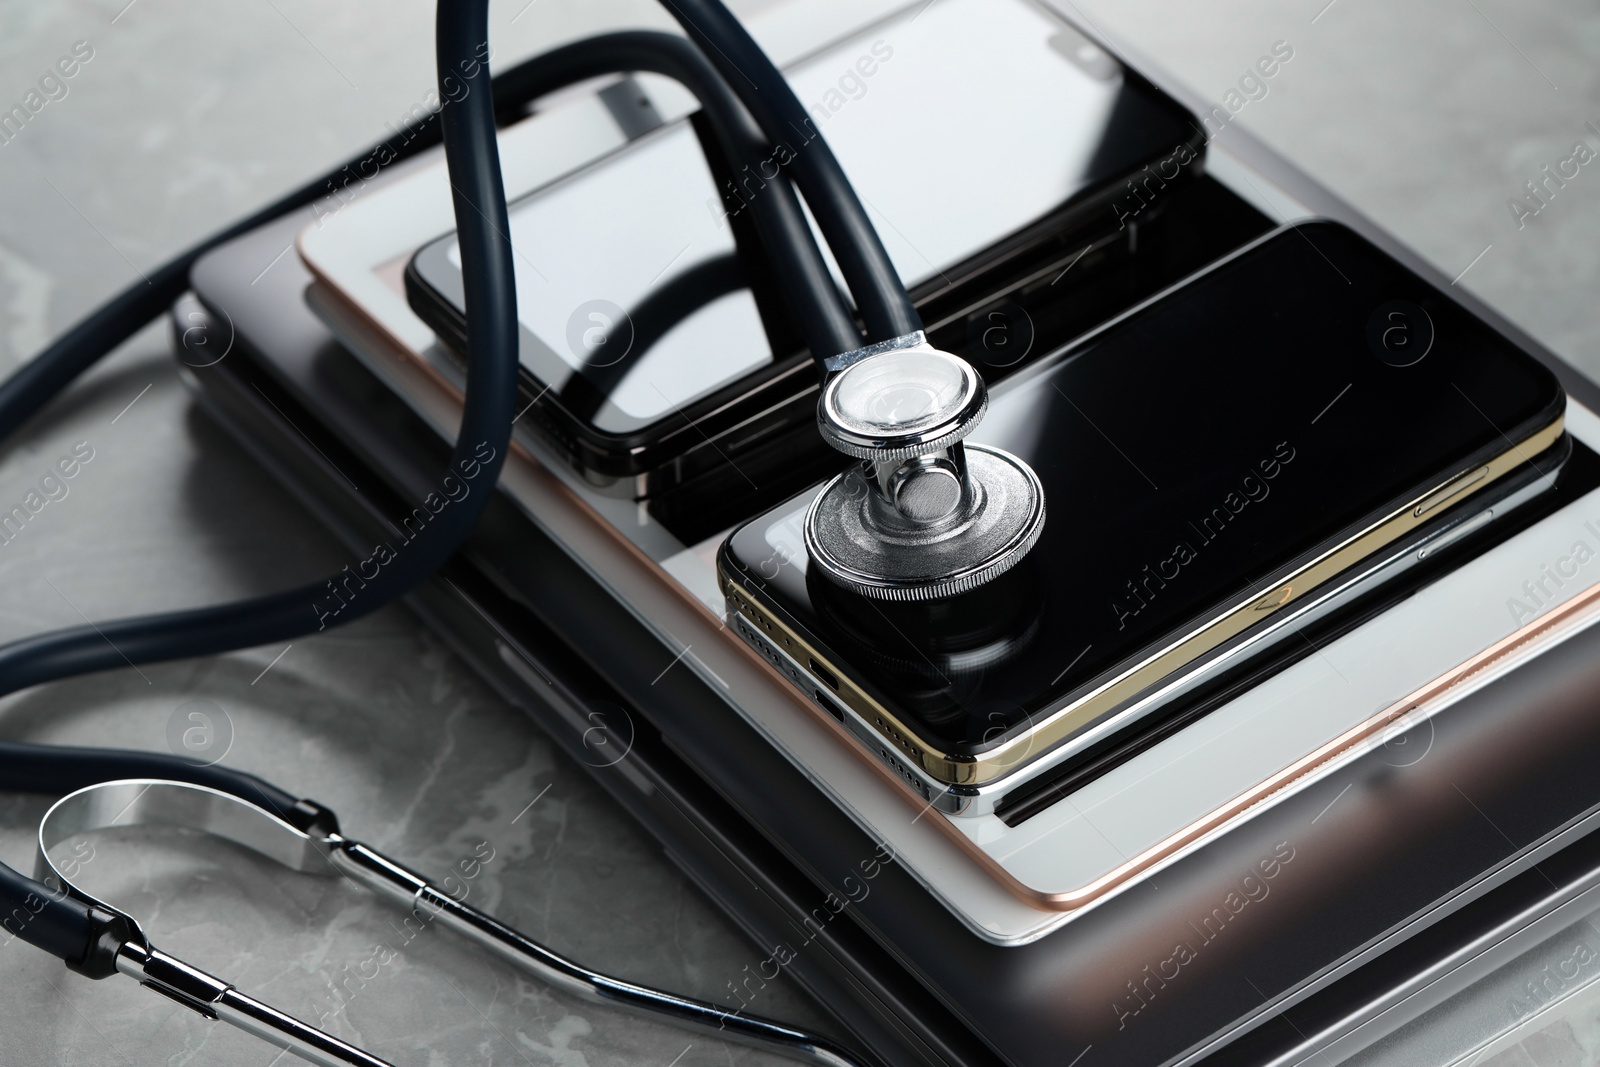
[(1428, 115)]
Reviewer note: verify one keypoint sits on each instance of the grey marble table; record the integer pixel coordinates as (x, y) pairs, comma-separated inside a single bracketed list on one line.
[(1430, 116)]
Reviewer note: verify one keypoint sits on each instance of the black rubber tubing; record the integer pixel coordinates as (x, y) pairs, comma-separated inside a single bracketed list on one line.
[(31, 387), (801, 272), (885, 306), (70, 929), (61, 925), (56, 770), (66, 927), (283, 616)]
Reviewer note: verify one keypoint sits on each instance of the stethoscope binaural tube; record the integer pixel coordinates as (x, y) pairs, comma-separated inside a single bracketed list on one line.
[(798, 267), (323, 850), (881, 296)]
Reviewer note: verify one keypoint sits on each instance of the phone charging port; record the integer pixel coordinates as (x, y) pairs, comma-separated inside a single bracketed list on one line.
[(828, 702), (823, 673)]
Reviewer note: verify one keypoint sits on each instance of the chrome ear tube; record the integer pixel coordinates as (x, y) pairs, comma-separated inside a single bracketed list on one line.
[(923, 515), (152, 802), (323, 850)]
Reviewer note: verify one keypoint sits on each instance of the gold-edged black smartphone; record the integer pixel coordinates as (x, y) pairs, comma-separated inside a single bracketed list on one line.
[(1242, 455)]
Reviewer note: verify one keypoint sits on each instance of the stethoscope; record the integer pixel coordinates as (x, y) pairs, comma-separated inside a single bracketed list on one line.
[(304, 836), (955, 516), (110, 789)]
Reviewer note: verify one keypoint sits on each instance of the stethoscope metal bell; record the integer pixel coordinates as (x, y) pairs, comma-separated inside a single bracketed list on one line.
[(923, 515)]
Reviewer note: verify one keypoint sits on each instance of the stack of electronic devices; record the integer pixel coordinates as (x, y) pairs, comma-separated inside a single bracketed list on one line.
[(1306, 509)]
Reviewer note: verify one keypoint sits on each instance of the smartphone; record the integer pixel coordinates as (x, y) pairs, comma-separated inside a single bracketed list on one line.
[(655, 346), (1223, 465)]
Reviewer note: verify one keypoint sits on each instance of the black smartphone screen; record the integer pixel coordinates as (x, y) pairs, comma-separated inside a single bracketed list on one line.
[(1192, 455), (960, 124)]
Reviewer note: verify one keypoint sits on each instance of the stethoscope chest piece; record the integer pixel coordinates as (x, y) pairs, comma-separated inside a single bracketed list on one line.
[(923, 515)]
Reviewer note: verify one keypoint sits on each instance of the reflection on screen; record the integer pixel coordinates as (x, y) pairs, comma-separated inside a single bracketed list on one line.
[(959, 124), (588, 253)]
